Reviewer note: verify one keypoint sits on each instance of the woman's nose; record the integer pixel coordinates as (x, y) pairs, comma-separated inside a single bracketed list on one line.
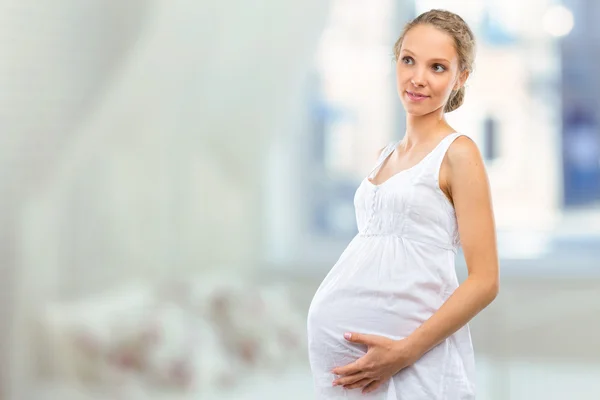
[(418, 79)]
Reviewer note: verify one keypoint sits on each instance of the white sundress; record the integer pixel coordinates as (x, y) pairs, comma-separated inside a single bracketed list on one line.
[(395, 273)]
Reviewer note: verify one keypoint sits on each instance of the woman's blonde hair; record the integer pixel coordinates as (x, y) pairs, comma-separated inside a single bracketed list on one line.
[(464, 43)]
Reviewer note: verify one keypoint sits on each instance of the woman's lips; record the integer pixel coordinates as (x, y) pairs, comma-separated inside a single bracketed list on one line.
[(416, 96)]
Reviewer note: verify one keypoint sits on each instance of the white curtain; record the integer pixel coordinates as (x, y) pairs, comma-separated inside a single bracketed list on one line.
[(134, 141)]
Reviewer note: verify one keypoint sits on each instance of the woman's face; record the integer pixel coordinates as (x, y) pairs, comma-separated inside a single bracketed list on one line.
[(427, 70)]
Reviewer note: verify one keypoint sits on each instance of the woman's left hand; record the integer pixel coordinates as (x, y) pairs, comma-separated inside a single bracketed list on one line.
[(385, 357)]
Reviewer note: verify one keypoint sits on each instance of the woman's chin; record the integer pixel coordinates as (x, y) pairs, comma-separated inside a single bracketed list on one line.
[(416, 111)]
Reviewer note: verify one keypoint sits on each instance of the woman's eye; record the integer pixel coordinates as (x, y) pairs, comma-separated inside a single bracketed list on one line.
[(439, 68), (407, 60)]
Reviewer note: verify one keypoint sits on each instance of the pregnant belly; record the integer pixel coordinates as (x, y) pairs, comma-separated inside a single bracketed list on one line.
[(386, 287), (387, 309)]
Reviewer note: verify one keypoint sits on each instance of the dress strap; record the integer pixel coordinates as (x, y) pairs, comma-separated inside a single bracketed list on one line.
[(385, 153), (441, 153)]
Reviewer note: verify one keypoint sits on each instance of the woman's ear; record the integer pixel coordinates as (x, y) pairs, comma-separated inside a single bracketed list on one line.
[(462, 78)]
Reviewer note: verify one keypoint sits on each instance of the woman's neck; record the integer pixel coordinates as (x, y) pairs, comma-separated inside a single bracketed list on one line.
[(424, 128)]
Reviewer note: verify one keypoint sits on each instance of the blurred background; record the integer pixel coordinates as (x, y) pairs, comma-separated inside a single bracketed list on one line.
[(178, 176)]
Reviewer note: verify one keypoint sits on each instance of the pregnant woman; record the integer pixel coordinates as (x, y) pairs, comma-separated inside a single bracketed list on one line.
[(390, 319)]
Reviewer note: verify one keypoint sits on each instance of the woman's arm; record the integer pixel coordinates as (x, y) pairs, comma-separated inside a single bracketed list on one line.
[(467, 183)]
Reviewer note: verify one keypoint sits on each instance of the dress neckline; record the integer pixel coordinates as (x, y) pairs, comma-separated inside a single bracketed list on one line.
[(394, 148)]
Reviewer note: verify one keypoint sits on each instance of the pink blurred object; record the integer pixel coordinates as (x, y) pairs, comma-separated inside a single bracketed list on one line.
[(185, 337)]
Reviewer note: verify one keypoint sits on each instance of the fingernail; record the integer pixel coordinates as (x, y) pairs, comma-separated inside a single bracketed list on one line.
[(347, 336), (334, 384)]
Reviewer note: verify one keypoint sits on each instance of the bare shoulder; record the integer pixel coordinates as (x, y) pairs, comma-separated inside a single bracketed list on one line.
[(463, 168), (466, 177), (464, 150)]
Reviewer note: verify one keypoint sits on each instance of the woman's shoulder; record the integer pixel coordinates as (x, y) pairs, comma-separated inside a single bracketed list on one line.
[(463, 147), (464, 158)]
